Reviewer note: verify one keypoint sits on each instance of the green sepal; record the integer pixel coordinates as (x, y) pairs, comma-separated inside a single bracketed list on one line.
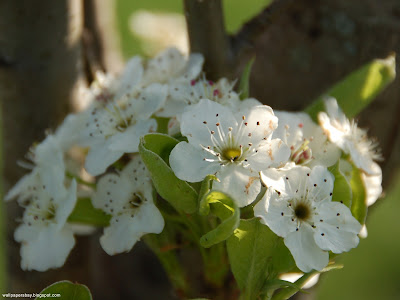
[(85, 213), (206, 185), (341, 190), (359, 88), (255, 254), (67, 291), (154, 149), (225, 208), (244, 83)]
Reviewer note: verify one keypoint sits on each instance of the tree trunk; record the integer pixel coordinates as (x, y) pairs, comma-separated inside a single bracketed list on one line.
[(40, 75)]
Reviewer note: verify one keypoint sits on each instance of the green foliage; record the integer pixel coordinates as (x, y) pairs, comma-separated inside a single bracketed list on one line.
[(255, 254), (358, 89), (85, 213), (244, 83), (224, 208), (68, 291), (342, 190), (155, 149)]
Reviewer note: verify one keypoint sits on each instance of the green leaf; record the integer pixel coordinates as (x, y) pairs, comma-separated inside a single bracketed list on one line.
[(85, 213), (359, 207), (255, 254), (224, 208), (272, 285), (342, 189), (67, 291), (244, 84), (359, 88), (155, 149)]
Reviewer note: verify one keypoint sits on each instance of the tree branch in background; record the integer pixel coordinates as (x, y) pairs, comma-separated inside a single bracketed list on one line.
[(244, 40), (207, 35)]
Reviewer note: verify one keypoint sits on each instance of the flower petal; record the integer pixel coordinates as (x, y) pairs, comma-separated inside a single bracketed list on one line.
[(338, 230), (240, 183), (320, 184), (124, 231), (305, 251), (275, 213), (100, 157), (373, 184), (273, 153), (188, 162)]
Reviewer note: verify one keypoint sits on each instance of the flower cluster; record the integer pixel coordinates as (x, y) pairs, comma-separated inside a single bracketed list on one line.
[(279, 163)]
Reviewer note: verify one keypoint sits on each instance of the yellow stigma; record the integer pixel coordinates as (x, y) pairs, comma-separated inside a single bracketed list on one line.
[(232, 154)]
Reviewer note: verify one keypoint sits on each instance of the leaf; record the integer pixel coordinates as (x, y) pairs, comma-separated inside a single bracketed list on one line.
[(85, 213), (342, 189), (244, 84), (67, 291), (224, 208), (359, 207), (255, 253), (358, 89), (154, 149)]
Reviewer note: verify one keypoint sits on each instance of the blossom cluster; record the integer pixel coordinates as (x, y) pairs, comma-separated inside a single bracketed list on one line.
[(274, 161)]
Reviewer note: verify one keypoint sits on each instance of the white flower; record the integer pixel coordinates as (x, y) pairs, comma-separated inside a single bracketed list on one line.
[(45, 238), (107, 87), (298, 207), (191, 92), (346, 135), (171, 67), (128, 197), (233, 146), (308, 145), (48, 165), (116, 128)]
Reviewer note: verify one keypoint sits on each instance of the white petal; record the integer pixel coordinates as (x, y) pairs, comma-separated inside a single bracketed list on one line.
[(70, 131), (261, 122), (66, 206), (273, 153), (373, 184), (45, 249), (128, 141), (100, 157), (320, 184), (361, 160), (131, 76), (305, 251), (338, 230), (188, 162), (151, 99), (334, 134), (290, 127), (288, 181), (200, 119), (240, 183), (21, 187), (122, 235), (275, 213)]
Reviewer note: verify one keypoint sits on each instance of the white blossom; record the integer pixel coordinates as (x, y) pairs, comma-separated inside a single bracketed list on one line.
[(306, 140), (351, 139), (128, 197), (234, 146), (45, 238), (298, 206), (47, 163), (116, 128)]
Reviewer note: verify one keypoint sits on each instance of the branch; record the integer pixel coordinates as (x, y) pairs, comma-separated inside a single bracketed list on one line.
[(244, 40), (207, 35)]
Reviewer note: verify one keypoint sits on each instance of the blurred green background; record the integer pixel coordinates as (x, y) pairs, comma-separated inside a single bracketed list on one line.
[(372, 270)]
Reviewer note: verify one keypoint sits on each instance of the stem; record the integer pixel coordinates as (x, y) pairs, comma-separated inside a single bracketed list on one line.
[(290, 291), (207, 35)]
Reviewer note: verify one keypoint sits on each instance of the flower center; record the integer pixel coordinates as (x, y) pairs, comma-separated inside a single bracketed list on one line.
[(301, 154), (232, 154), (302, 211)]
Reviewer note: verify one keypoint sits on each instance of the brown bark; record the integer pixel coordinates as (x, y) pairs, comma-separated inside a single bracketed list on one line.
[(40, 72)]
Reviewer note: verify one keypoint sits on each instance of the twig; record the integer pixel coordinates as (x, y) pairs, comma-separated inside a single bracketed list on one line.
[(207, 35)]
